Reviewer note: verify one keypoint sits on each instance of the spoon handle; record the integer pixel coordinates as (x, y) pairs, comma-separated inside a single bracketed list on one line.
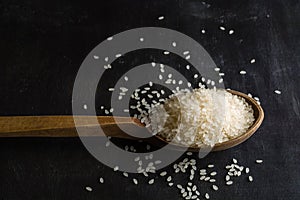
[(63, 126)]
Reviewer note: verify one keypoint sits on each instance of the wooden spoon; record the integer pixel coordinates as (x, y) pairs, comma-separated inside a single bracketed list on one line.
[(64, 126)]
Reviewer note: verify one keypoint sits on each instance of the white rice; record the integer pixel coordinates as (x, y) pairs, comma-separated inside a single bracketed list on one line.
[(210, 166), (169, 178), (250, 178), (116, 168), (277, 91), (222, 28), (101, 180), (229, 182), (243, 72), (215, 187), (247, 170), (201, 117), (135, 181), (207, 196), (213, 173), (259, 161), (161, 17), (163, 173), (151, 182)]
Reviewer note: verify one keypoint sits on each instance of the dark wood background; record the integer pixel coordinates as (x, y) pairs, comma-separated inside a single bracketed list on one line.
[(44, 42)]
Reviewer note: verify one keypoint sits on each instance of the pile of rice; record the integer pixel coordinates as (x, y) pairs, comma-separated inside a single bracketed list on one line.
[(201, 117)]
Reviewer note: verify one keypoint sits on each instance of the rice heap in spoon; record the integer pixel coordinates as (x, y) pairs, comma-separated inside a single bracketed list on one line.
[(201, 117)]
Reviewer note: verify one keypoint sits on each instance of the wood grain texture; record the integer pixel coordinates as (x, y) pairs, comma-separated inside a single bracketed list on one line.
[(62, 126)]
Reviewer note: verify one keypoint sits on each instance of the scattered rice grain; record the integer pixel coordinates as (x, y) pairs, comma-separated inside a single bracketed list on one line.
[(229, 183), (151, 182), (161, 17), (215, 187), (250, 178), (101, 180), (277, 91), (259, 161)]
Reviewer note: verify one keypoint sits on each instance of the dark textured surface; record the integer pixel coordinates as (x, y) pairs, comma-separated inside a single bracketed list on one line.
[(44, 42)]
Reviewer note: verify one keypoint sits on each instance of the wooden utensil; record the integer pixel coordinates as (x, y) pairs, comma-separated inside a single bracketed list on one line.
[(64, 126)]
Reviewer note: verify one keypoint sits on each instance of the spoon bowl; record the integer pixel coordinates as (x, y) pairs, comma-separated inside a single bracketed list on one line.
[(258, 119)]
